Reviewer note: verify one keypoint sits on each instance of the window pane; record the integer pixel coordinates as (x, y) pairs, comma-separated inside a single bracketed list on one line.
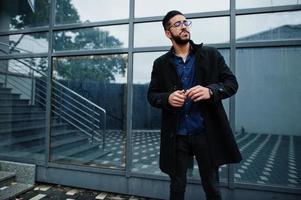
[(16, 14), (268, 116), (107, 37), (158, 8), (146, 119), (23, 108), (226, 54), (79, 11), (240, 4), (24, 43), (267, 27), (217, 31), (83, 88)]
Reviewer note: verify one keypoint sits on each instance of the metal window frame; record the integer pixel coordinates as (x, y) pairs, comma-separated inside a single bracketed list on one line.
[(130, 51)]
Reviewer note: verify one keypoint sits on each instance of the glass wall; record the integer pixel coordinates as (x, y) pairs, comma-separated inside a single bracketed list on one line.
[(107, 37), (78, 11), (159, 8), (158, 38), (269, 127), (96, 55), (24, 43), (240, 4), (16, 15), (269, 27), (83, 88), (23, 108)]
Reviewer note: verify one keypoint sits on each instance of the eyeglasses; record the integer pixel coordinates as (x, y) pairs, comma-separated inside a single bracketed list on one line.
[(179, 24)]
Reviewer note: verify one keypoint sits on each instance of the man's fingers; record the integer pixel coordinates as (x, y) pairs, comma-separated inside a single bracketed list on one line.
[(197, 95)]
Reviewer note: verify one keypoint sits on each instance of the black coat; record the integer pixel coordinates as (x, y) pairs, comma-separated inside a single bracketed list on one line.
[(211, 71)]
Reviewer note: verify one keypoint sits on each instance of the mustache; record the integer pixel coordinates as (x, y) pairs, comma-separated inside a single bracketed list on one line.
[(185, 32)]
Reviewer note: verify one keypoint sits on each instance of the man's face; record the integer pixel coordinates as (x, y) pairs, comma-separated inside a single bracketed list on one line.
[(179, 34)]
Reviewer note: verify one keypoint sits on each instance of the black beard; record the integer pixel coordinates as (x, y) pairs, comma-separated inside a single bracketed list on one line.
[(179, 40)]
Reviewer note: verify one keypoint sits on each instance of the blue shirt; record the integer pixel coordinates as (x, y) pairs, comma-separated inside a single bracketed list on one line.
[(191, 119)]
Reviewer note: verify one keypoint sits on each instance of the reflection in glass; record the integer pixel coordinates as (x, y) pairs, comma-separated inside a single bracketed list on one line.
[(270, 26), (268, 125), (23, 14), (240, 4), (147, 121), (106, 37), (78, 11), (23, 108), (24, 43), (160, 8), (152, 34), (88, 102), (226, 54)]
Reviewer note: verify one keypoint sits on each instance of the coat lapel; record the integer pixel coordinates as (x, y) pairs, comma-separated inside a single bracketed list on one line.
[(173, 73), (200, 63)]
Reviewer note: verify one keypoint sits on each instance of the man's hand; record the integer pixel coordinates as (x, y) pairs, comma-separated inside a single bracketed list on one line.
[(177, 98), (198, 93)]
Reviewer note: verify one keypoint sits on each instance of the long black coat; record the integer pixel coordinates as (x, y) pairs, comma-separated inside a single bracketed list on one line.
[(211, 71)]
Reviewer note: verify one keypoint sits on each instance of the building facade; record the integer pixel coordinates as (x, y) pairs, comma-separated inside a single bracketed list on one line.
[(74, 76)]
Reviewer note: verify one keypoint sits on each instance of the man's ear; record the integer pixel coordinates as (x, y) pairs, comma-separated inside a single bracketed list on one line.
[(168, 34)]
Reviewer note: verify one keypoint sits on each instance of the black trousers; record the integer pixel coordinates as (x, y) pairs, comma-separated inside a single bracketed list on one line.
[(187, 147)]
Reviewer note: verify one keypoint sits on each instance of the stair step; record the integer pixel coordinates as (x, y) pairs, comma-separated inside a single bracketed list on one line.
[(40, 147), (29, 119), (14, 189), (31, 128), (21, 115), (34, 137), (74, 151), (65, 142), (10, 96), (6, 175), (19, 108), (12, 102), (9, 123), (5, 90), (86, 160)]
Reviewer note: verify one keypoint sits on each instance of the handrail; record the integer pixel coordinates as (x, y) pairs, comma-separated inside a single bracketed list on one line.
[(4, 44), (65, 95), (76, 94), (89, 115)]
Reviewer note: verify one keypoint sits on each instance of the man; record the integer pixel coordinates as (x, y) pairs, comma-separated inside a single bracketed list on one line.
[(188, 84)]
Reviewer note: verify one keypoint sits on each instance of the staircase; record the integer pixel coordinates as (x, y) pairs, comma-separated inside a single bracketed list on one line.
[(15, 178), (23, 130)]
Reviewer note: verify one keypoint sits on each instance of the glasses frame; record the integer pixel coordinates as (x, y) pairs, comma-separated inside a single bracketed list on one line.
[(179, 24)]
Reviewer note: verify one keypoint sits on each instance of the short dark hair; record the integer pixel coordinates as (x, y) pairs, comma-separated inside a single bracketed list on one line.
[(168, 16)]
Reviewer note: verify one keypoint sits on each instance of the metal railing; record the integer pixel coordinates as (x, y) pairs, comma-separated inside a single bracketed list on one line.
[(66, 104)]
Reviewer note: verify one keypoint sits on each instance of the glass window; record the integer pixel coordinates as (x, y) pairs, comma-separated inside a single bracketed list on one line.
[(268, 116), (146, 119), (226, 54), (159, 8), (267, 27), (106, 37), (240, 4), (23, 14), (88, 110), (78, 11), (23, 108), (24, 43), (217, 31)]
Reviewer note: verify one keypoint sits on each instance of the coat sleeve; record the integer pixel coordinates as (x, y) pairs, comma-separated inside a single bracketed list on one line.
[(227, 84), (156, 95)]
